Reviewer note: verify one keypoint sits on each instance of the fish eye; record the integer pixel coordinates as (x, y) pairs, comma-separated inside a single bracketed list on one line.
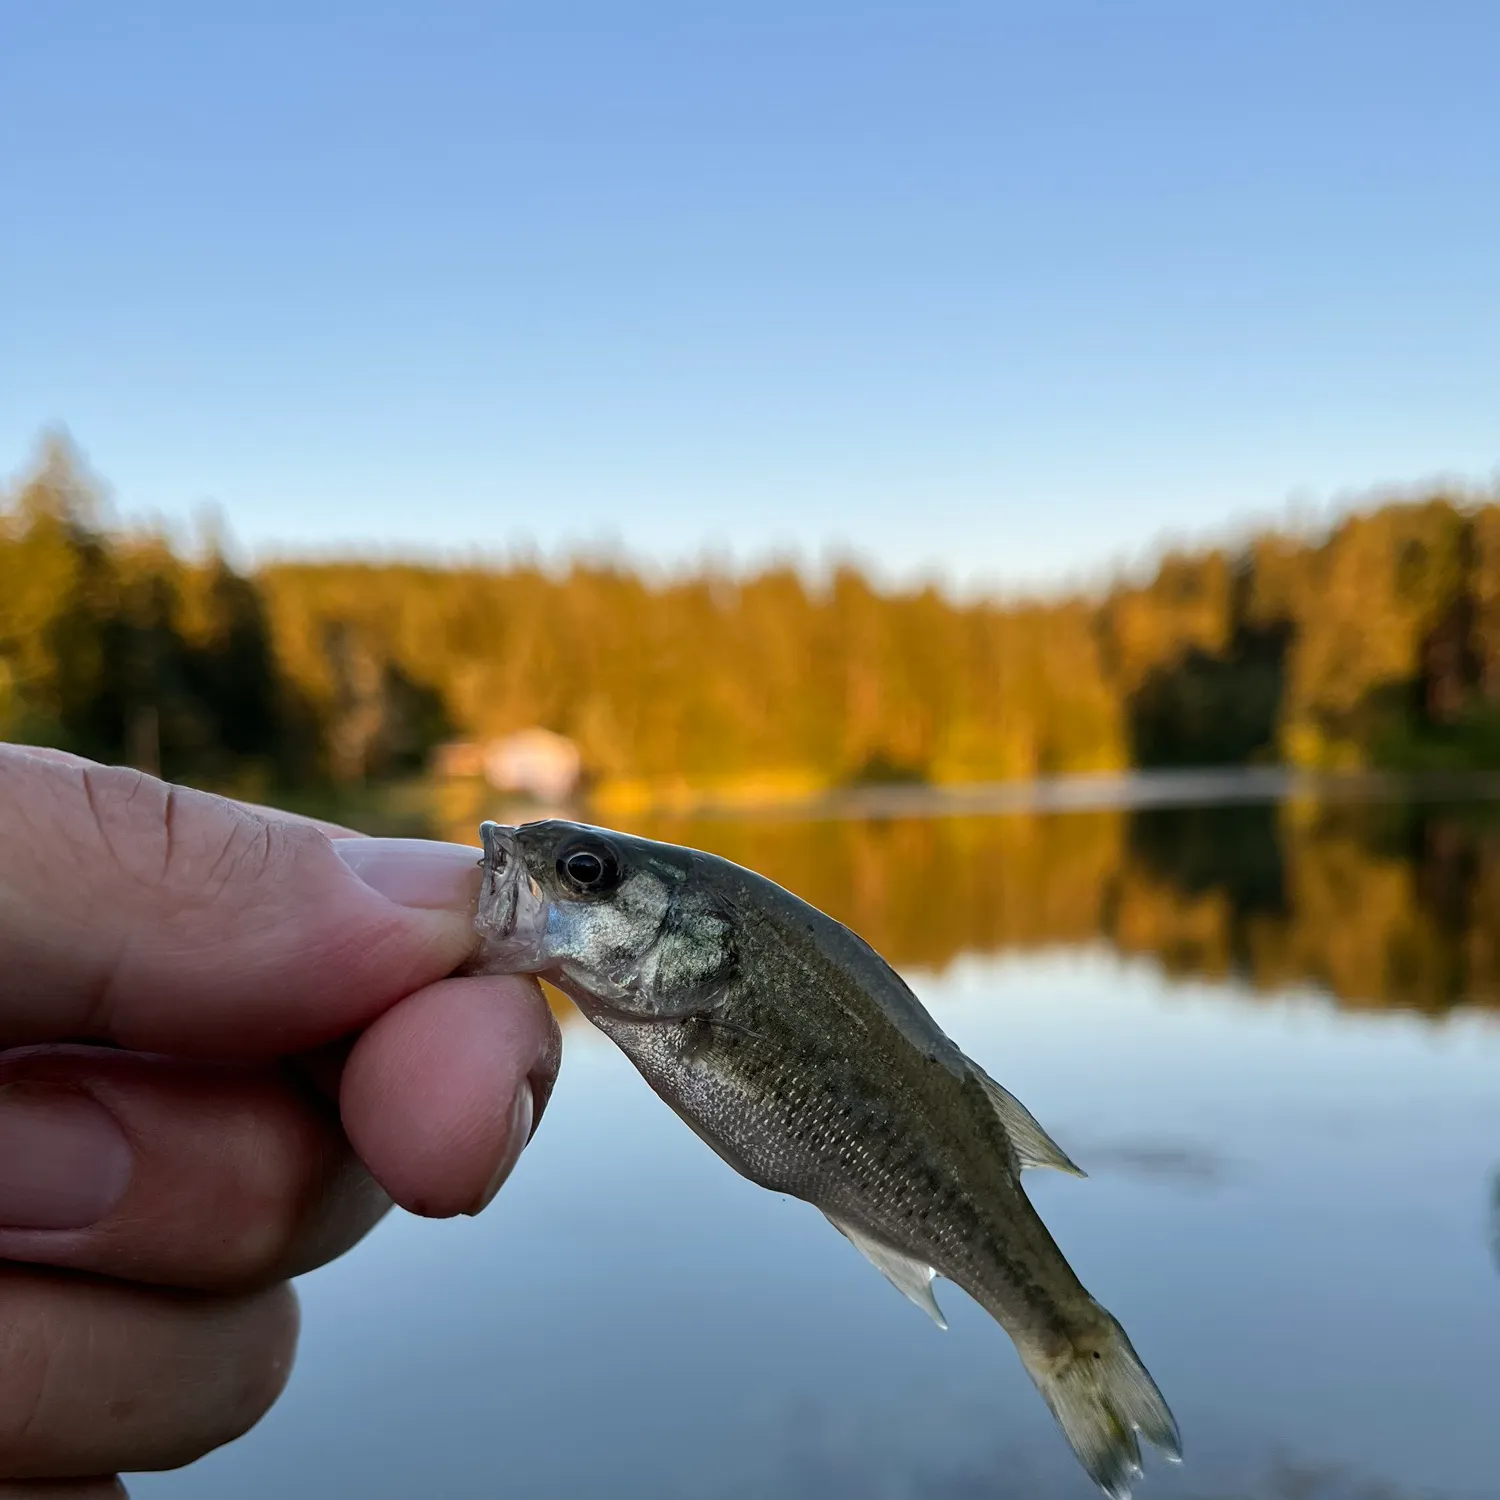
[(589, 869)]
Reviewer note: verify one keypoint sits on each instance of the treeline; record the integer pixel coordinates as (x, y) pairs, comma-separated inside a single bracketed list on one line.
[(1375, 644)]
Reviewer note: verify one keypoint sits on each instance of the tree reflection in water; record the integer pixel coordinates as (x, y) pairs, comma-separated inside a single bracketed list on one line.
[(1390, 906), (1378, 906)]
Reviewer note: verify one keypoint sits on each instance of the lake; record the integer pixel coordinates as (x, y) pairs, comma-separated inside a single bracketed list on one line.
[(1270, 1031)]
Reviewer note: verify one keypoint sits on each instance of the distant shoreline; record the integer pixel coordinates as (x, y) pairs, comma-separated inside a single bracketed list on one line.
[(1090, 792)]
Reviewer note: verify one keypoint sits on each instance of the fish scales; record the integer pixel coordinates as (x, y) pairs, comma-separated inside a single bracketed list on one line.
[(804, 1060), (940, 1191)]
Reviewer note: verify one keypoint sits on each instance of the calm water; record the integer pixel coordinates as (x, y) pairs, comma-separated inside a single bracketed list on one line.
[(1270, 1034)]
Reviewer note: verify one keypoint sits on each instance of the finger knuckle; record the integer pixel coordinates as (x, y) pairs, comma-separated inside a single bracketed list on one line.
[(96, 1378), (182, 847), (297, 1191)]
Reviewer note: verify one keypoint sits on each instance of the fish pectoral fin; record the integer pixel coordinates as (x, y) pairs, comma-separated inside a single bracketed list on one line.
[(1032, 1145), (911, 1277)]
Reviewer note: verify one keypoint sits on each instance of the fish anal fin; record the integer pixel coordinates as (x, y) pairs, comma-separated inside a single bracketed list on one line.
[(911, 1277), (1032, 1145)]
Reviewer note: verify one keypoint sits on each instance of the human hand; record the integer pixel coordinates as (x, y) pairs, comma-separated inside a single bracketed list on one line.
[(227, 1043)]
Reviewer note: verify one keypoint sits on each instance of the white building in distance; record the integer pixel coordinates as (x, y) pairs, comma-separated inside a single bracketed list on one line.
[(534, 763)]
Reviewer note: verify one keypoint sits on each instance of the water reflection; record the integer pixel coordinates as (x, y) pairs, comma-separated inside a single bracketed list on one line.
[(1291, 1207), (1380, 906), (1302, 1481), (812, 1475), (1294, 1207), (1179, 1162), (1495, 1217)]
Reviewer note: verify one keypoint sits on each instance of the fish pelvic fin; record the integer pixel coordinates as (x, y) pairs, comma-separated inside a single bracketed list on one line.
[(1032, 1145), (911, 1277), (1102, 1396)]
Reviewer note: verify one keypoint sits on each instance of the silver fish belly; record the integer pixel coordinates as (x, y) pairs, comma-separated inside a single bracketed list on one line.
[(808, 1065)]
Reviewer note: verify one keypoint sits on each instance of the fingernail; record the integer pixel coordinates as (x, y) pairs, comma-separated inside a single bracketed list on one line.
[(64, 1163), (515, 1143), (415, 872)]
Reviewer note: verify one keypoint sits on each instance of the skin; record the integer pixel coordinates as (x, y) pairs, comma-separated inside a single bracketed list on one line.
[(272, 1051), (800, 1056)]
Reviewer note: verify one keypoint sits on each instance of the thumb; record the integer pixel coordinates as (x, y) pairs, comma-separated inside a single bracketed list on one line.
[(170, 920)]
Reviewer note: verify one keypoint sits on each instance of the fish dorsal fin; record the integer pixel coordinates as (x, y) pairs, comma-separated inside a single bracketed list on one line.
[(911, 1277), (1032, 1145)]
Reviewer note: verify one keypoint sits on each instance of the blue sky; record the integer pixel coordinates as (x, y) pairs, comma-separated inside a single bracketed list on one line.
[(1002, 293)]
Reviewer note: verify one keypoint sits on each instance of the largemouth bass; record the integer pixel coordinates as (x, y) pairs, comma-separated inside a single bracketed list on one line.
[(796, 1052)]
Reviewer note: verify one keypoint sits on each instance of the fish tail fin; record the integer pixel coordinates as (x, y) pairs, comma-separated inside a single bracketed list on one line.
[(1102, 1396)]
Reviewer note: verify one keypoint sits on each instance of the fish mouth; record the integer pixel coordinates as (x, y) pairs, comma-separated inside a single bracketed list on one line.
[(511, 917)]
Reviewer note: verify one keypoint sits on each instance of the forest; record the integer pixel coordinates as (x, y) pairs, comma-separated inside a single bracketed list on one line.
[(1375, 643)]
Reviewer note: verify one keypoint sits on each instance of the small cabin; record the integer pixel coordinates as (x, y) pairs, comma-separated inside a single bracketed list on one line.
[(535, 763)]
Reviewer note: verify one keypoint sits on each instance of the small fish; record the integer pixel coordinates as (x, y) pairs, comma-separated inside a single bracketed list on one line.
[(796, 1052)]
